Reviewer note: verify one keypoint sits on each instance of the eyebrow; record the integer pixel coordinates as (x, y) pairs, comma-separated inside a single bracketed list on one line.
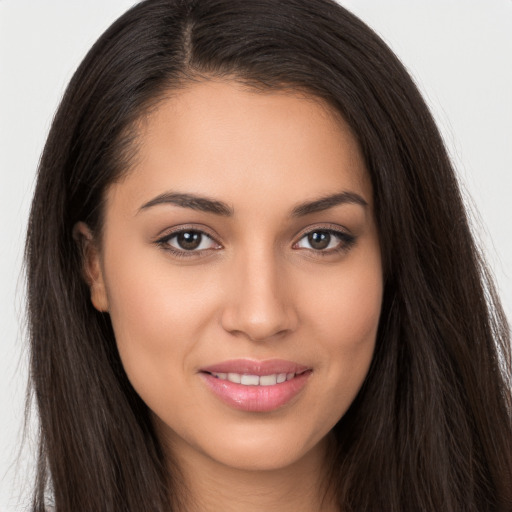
[(205, 204), (324, 203)]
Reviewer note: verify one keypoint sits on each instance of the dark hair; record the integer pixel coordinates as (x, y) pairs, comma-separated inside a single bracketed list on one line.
[(431, 428)]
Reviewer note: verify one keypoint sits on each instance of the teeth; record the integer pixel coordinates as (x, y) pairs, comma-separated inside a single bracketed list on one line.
[(255, 380), (233, 377), (250, 380), (268, 380)]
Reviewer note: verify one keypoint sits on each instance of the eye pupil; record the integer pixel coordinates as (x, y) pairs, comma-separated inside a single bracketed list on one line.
[(189, 240), (319, 239)]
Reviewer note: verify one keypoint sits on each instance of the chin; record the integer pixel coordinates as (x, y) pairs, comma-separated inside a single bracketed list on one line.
[(262, 449)]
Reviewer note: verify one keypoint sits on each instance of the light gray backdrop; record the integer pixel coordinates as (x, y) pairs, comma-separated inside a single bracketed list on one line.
[(459, 51)]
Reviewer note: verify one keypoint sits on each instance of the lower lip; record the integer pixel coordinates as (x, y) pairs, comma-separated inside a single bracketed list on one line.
[(256, 398)]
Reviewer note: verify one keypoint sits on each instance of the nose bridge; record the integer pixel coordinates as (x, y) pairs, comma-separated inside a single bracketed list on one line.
[(259, 306)]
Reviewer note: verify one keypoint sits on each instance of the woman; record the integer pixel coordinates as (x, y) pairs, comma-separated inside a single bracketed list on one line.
[(242, 285)]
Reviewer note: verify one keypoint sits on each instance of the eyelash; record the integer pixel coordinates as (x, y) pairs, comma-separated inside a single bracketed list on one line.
[(163, 242), (346, 242)]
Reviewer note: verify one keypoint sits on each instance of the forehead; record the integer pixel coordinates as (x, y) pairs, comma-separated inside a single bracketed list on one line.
[(223, 139)]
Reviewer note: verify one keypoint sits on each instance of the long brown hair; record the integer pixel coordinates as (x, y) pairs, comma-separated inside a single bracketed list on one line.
[(431, 428)]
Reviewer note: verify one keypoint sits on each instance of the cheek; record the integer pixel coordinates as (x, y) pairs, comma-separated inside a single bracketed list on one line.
[(348, 302), (345, 323), (157, 314)]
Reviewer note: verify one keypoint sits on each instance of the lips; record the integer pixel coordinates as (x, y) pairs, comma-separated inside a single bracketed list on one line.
[(256, 386)]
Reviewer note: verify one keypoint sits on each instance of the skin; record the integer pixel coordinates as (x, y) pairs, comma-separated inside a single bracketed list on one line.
[(255, 289)]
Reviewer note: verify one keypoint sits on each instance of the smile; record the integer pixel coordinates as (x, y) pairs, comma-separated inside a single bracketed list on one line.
[(255, 380), (256, 386)]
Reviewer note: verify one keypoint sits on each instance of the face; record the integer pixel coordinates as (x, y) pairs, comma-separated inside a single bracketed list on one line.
[(240, 266)]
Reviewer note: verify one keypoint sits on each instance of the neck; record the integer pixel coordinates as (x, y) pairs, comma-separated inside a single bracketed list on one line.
[(212, 486)]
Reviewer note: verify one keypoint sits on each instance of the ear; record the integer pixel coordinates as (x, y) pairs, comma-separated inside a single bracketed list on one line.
[(91, 266)]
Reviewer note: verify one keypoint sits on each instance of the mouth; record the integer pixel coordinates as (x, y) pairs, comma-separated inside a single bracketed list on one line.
[(256, 386), (255, 380)]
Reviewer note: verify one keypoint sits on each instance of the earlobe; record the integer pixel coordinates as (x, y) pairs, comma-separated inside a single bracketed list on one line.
[(91, 266)]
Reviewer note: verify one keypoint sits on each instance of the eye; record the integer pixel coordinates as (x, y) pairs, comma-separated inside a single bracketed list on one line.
[(325, 240), (189, 240)]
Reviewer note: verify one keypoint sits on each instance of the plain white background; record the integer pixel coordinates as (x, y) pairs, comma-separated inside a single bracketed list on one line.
[(459, 52)]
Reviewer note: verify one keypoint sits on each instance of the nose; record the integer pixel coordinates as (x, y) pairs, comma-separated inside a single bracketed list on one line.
[(259, 305)]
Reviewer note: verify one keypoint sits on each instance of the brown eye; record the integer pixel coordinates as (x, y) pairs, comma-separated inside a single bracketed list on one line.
[(319, 239), (325, 241), (188, 241)]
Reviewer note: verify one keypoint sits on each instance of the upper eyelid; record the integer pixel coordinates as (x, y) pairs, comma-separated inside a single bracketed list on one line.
[(168, 233), (332, 228)]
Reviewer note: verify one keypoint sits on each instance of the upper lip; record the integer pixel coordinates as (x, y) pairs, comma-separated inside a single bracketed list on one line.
[(255, 367)]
